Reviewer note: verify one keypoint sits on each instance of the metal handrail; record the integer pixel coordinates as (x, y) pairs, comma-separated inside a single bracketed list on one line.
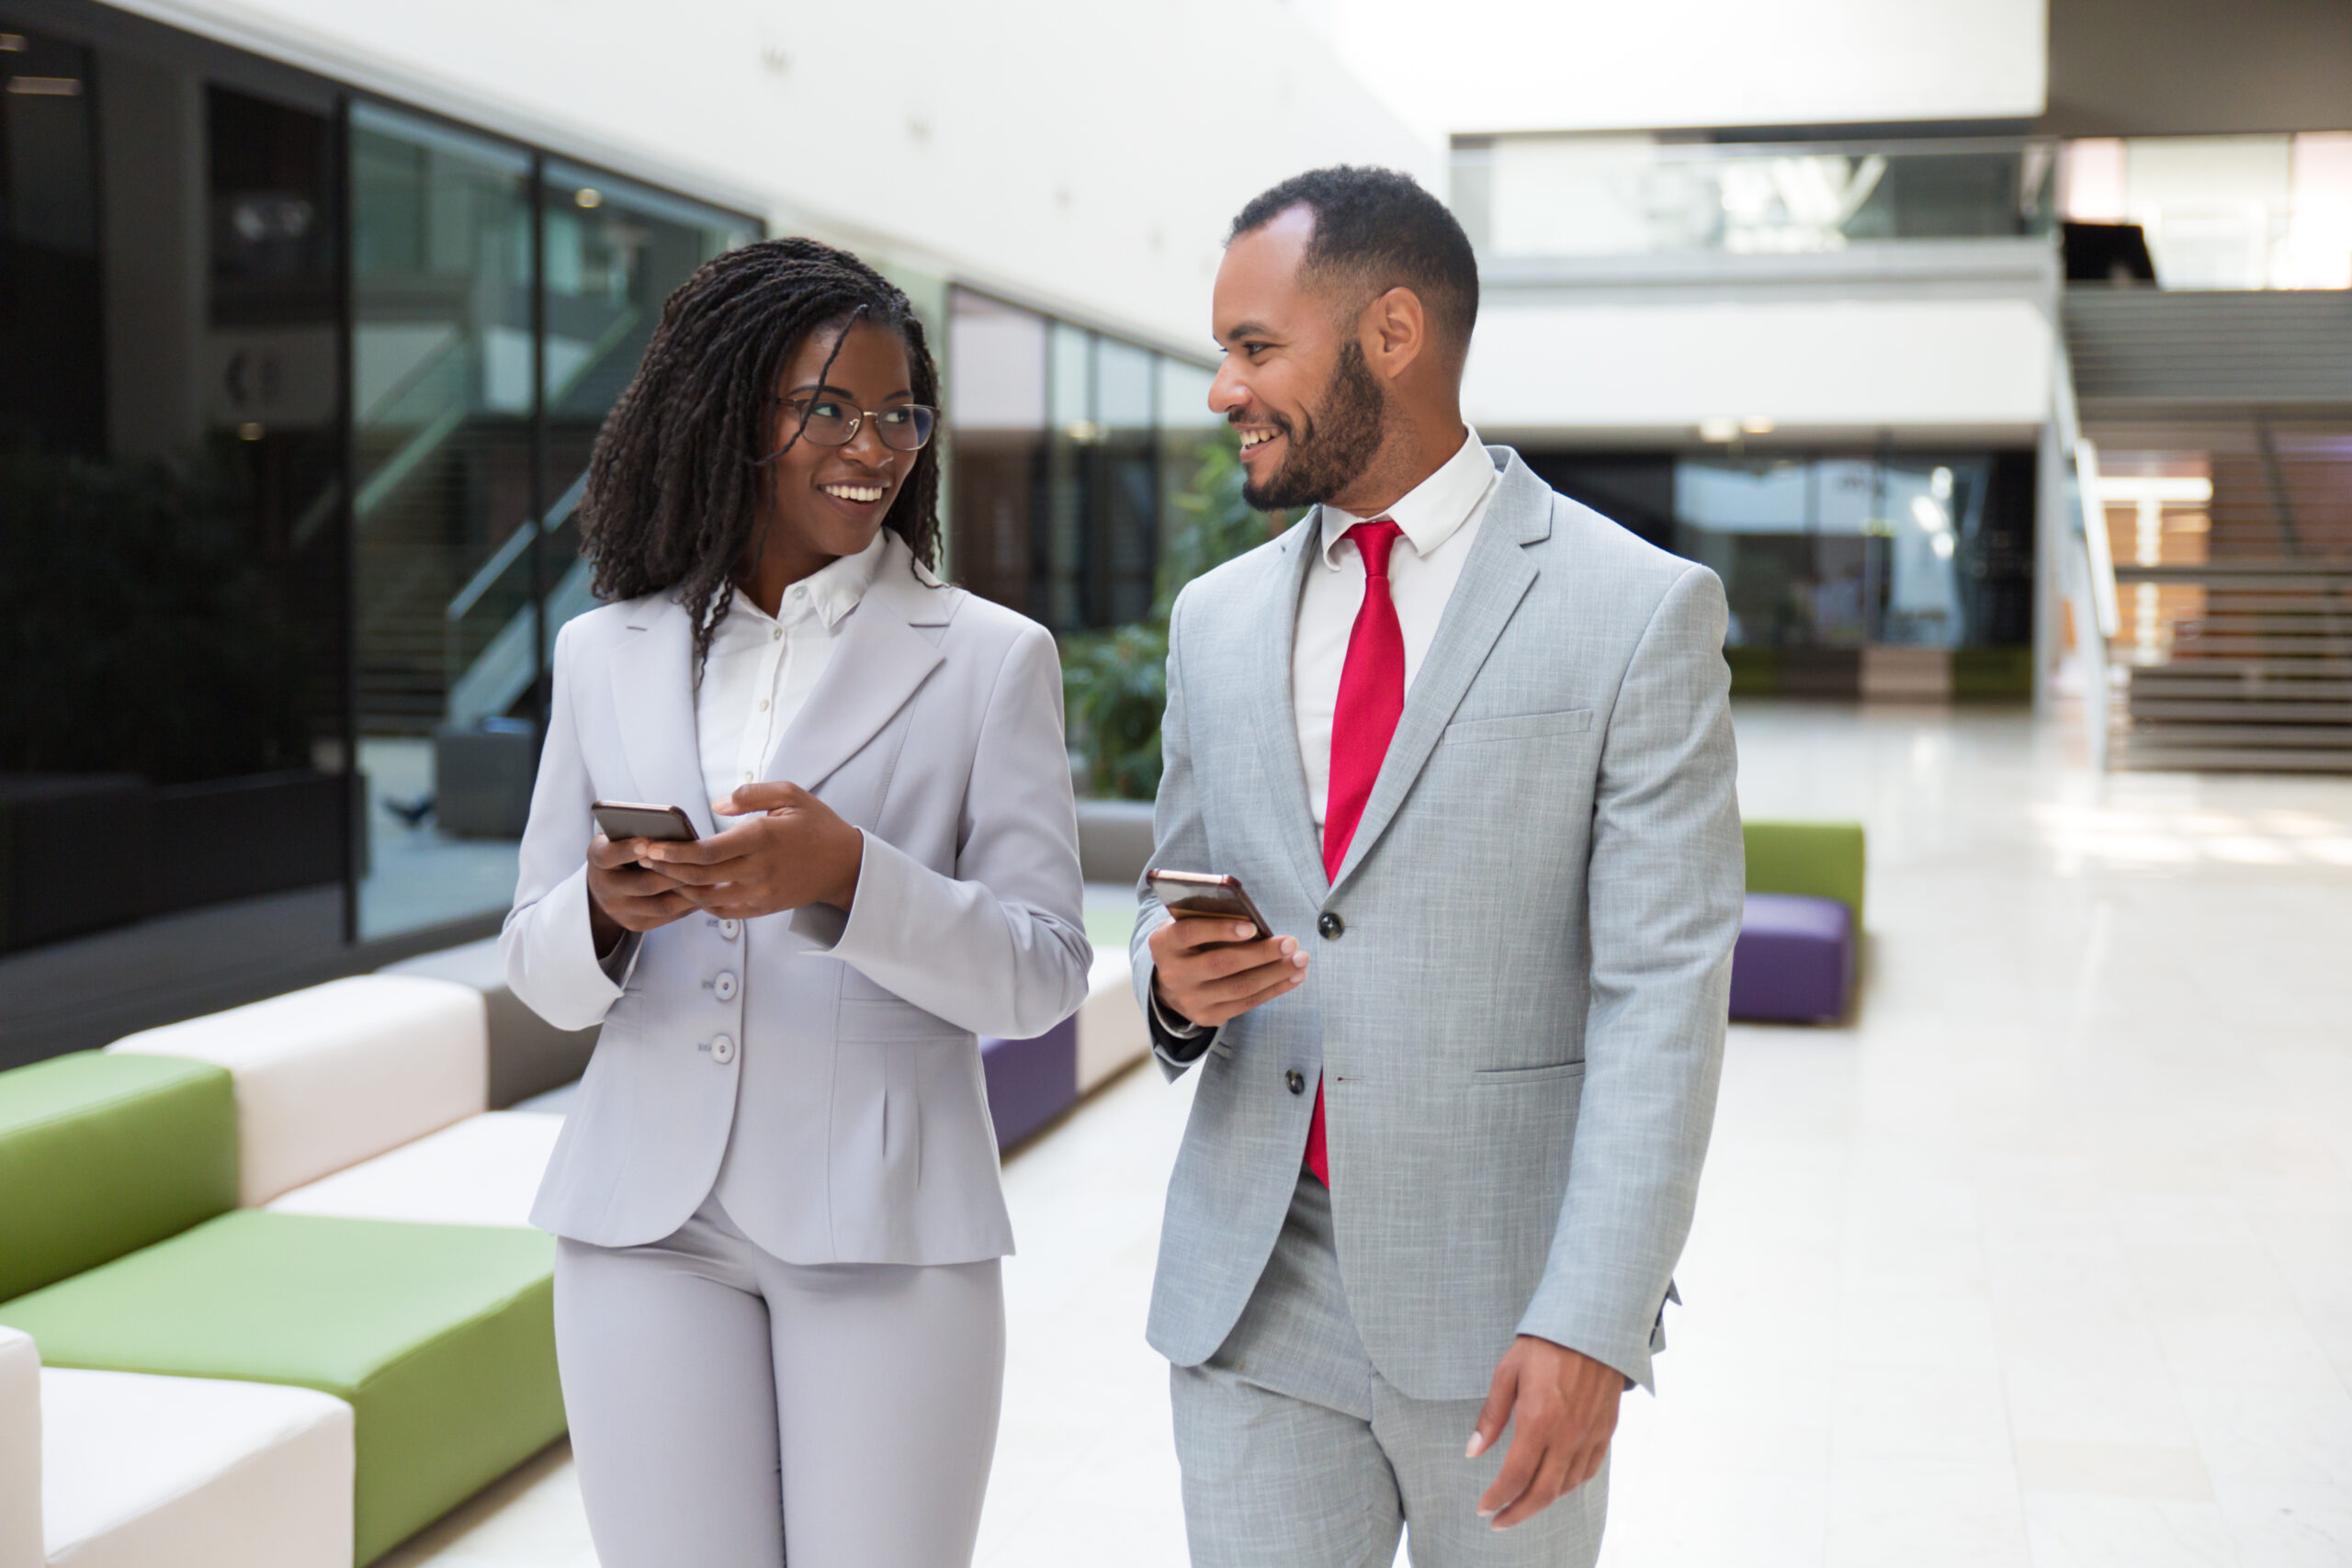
[(510, 550)]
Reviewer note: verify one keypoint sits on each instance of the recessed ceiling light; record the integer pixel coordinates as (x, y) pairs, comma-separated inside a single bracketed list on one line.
[(250, 430), (588, 195), (1718, 429), (1757, 424)]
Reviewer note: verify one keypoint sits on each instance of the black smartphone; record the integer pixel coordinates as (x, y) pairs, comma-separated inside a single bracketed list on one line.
[(1201, 894), (664, 824)]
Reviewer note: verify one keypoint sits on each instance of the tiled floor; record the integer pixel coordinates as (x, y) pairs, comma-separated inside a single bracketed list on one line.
[(2047, 1259)]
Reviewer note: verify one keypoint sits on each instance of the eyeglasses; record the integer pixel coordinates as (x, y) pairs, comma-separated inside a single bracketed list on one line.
[(828, 421)]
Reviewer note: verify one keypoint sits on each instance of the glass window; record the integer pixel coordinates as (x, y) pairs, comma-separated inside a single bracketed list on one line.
[(995, 413), (1127, 458), (442, 431), (1924, 550)]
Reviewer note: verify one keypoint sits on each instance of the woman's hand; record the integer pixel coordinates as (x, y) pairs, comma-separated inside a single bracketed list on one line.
[(794, 851), (625, 896)]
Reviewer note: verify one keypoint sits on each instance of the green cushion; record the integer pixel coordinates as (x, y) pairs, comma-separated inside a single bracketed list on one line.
[(1821, 860), (101, 1154), (441, 1337), (1994, 674)]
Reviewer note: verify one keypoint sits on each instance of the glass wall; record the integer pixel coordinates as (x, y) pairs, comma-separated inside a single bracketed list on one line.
[(499, 305), (294, 390), (1069, 447), (1637, 195)]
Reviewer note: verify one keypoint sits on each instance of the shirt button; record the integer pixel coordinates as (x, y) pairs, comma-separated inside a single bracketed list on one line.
[(730, 929), (1330, 925), (763, 704), (799, 591), (724, 987), (722, 1049), (747, 779), (776, 635), (1296, 1080)]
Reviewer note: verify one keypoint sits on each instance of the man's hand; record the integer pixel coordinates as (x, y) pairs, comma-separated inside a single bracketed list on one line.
[(794, 851), (1562, 1407), (1207, 970), (625, 896)]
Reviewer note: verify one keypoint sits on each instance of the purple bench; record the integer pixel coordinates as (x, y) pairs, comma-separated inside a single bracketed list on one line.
[(1031, 1081), (1794, 961)]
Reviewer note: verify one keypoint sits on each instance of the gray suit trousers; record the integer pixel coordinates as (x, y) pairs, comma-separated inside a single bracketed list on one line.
[(730, 1408), (1296, 1453)]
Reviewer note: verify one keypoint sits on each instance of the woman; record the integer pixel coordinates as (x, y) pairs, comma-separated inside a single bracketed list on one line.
[(777, 1304)]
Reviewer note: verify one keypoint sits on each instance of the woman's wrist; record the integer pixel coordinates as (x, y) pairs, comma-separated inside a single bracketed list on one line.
[(846, 854)]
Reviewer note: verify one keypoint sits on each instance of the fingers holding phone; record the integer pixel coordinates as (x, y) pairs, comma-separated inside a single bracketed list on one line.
[(624, 894), (1212, 968)]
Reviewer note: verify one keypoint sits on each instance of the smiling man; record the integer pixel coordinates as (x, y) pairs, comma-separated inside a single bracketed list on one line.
[(1467, 745)]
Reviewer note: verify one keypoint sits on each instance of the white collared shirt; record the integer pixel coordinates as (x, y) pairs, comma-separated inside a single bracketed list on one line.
[(1439, 517), (763, 667)]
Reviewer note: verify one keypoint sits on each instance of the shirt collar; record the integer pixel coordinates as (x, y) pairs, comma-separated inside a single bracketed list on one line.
[(833, 589), (1431, 511)]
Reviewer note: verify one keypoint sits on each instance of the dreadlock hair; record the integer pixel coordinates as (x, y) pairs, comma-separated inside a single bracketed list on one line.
[(678, 480)]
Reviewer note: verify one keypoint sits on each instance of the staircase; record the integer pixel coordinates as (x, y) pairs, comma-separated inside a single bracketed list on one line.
[(2237, 607)]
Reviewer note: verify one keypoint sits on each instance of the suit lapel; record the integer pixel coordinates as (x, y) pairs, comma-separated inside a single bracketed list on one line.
[(1269, 709), (876, 666), (653, 695), (1494, 580)]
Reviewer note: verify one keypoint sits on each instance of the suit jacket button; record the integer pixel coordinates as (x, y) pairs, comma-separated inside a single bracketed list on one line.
[(730, 928), (1296, 1080), (1330, 925), (724, 987), (722, 1050)]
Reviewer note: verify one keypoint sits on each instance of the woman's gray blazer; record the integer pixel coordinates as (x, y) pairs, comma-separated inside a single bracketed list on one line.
[(823, 1075)]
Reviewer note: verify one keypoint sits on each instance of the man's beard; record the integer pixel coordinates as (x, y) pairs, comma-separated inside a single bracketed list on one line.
[(1343, 439)]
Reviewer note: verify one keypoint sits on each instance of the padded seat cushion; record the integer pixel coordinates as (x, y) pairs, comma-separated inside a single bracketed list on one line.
[(482, 1171), (1794, 959), (100, 1155), (1030, 1081), (440, 1337), (194, 1471), (1820, 860), (1111, 1032), (21, 1544), (332, 1075), (529, 1056)]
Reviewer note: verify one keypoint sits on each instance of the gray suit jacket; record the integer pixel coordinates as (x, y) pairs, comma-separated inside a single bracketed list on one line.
[(1519, 1018), (847, 1102)]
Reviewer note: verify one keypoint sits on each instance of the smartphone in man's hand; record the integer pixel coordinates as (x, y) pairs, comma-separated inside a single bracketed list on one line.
[(1202, 894)]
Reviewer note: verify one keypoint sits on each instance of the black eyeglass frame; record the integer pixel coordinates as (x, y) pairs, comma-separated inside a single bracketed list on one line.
[(857, 421)]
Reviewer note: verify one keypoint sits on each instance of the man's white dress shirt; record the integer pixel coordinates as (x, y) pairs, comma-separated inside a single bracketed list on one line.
[(1439, 517), (763, 667)]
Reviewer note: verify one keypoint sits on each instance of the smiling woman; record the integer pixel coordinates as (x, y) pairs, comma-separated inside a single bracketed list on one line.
[(757, 1306)]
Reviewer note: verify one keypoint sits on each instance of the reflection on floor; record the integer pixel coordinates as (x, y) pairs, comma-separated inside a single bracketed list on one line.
[(418, 875), (2045, 1259)]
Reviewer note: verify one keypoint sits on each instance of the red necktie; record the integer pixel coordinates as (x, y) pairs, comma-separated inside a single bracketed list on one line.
[(1371, 698)]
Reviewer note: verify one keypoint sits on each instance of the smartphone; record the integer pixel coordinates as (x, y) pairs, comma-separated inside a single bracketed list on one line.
[(664, 824), (1201, 893)]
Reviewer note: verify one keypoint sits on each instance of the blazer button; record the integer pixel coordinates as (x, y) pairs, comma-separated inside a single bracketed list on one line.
[(1330, 925), (722, 1049), (730, 929), (724, 987), (1296, 1080)]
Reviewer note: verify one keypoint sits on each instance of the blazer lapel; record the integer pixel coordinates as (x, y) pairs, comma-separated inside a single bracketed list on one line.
[(1494, 580), (877, 664), (653, 695), (1271, 712)]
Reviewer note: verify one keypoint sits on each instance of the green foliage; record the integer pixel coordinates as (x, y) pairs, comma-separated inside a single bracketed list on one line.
[(1115, 682), (139, 630)]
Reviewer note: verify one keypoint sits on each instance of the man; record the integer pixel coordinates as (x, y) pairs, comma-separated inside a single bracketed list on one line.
[(1467, 744)]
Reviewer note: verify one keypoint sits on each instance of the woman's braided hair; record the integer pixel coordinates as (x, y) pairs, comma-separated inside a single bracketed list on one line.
[(675, 486)]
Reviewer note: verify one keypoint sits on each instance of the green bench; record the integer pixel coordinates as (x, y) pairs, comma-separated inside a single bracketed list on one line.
[(121, 1251)]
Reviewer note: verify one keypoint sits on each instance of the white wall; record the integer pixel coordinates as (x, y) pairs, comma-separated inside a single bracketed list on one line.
[(1479, 65), (1843, 364), (1085, 155)]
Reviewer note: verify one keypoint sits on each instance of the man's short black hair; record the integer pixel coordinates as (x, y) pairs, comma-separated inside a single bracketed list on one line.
[(1378, 227)]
